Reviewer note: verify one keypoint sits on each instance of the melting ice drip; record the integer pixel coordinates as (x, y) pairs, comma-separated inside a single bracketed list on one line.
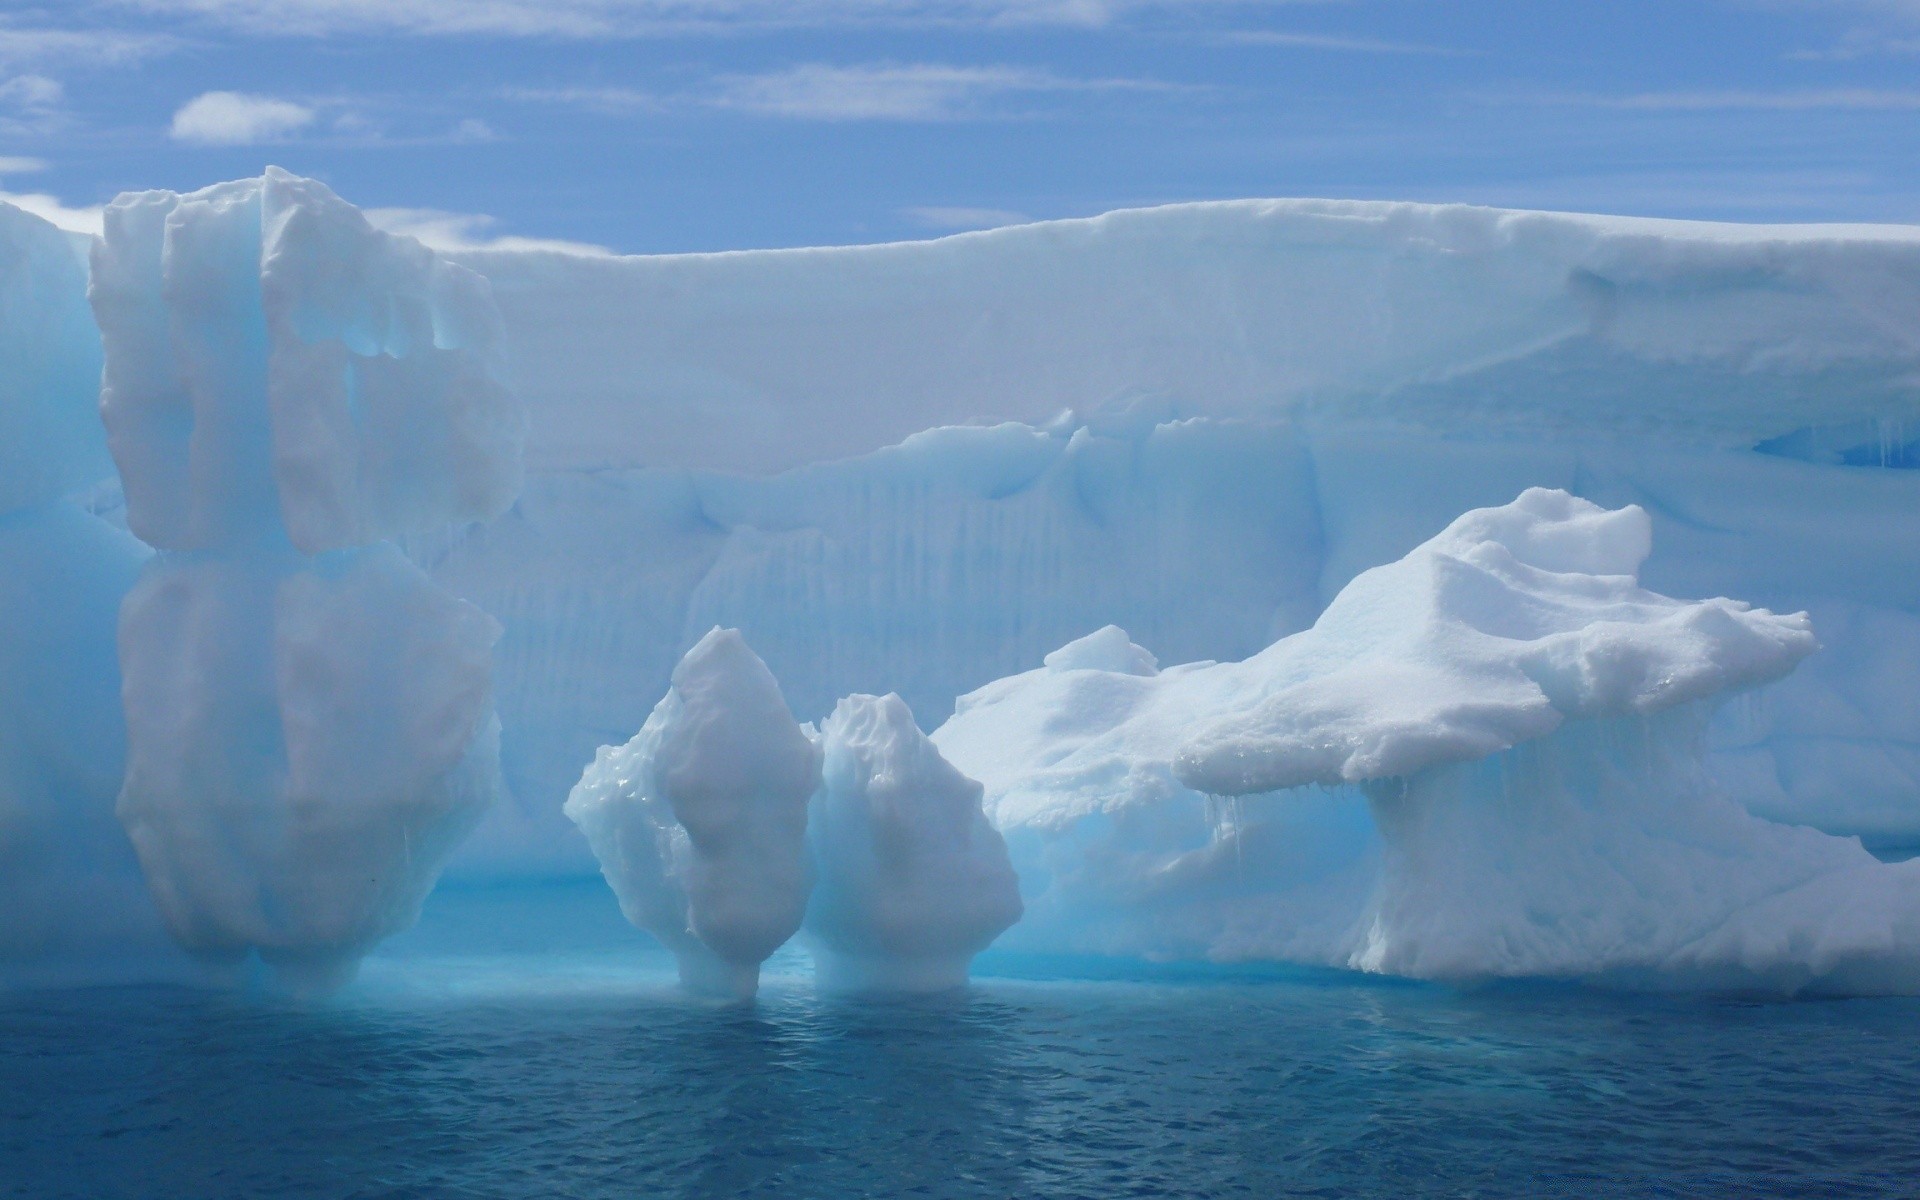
[(309, 719), (1524, 724)]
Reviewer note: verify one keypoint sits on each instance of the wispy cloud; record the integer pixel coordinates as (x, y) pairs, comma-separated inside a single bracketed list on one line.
[(616, 18), (454, 231), (12, 164), (24, 46), (238, 119), (958, 219), (1892, 99), (30, 105), (858, 92), (889, 91), (1328, 41), (86, 219), (619, 101)]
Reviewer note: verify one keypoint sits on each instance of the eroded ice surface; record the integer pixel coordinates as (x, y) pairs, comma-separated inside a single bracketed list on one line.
[(275, 366), (913, 880), (700, 821)]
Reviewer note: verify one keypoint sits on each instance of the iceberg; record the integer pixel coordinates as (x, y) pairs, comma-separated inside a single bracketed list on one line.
[(700, 821), (913, 881), (1523, 725)]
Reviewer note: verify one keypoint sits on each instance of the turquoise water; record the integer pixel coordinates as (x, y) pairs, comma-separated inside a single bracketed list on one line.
[(527, 1046)]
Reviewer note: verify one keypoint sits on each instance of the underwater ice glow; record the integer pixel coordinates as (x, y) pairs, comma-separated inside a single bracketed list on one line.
[(1345, 723)]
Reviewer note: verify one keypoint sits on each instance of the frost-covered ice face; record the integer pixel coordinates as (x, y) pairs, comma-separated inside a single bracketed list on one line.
[(913, 880), (307, 742), (1523, 721), (50, 439), (699, 822), (278, 368)]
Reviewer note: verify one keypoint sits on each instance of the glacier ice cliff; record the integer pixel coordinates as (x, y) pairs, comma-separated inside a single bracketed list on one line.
[(1521, 722)]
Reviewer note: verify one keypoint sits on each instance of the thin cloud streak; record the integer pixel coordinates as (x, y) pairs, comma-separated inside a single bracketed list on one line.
[(632, 18), (1791, 101), (1326, 41), (895, 92)]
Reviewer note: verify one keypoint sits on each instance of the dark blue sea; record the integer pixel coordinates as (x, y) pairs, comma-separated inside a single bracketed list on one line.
[(526, 1044)]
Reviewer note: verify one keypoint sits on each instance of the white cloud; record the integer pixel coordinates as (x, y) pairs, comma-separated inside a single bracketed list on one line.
[(612, 18), (50, 208), (893, 92), (11, 164), (453, 231), (960, 219), (237, 119)]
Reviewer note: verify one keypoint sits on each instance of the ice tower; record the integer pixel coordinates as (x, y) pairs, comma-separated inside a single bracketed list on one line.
[(309, 719)]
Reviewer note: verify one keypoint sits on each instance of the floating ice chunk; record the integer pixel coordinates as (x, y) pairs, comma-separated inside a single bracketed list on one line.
[(50, 437), (306, 743), (275, 365), (700, 821), (913, 881), (1106, 649)]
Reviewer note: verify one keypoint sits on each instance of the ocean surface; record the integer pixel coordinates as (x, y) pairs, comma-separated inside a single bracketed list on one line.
[(526, 1044)]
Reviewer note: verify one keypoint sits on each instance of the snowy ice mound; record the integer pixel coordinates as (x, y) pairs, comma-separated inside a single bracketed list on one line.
[(1524, 724), (307, 742), (276, 365), (913, 881), (700, 821)]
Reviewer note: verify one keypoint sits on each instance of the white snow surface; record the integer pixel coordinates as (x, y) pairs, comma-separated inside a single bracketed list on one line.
[(277, 367), (700, 821), (1523, 722), (1333, 312), (912, 880)]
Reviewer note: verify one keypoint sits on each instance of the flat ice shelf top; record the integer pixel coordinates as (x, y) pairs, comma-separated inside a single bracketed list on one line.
[(1336, 313)]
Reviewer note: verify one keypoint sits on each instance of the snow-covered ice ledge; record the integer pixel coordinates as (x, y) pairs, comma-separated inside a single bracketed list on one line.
[(1522, 723)]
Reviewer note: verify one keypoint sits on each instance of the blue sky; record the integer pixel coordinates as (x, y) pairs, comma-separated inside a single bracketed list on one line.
[(664, 125)]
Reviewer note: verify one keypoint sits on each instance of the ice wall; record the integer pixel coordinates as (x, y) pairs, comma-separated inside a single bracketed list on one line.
[(310, 723), (1524, 723), (71, 896), (1266, 398)]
